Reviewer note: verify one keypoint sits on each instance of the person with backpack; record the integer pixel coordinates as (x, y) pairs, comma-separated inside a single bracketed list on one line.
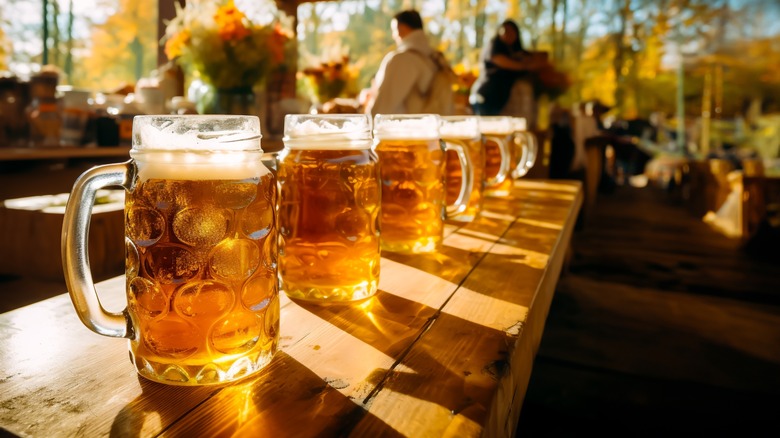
[(504, 62), (414, 78)]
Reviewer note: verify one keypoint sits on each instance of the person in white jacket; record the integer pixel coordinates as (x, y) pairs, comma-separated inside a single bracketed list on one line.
[(407, 67)]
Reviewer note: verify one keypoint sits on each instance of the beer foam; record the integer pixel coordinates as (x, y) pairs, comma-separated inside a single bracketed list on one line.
[(327, 132), (196, 133), (425, 128), (459, 129), (498, 126), (519, 123), (198, 166), (197, 147)]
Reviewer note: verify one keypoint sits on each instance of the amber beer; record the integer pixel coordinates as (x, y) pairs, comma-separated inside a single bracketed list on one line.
[(464, 130), (412, 171), (201, 250), (328, 214), (500, 156)]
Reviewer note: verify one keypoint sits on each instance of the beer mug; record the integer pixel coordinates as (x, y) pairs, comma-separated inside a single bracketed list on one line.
[(329, 209), (464, 131), (500, 154), (412, 171), (201, 248), (526, 147)]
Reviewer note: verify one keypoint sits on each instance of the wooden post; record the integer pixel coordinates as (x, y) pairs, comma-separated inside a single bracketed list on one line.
[(45, 55), (706, 105), (166, 10), (680, 97)]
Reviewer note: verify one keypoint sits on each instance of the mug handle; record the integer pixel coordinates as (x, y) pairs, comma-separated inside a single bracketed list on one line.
[(466, 181), (522, 164), (533, 148), (75, 260), (504, 167)]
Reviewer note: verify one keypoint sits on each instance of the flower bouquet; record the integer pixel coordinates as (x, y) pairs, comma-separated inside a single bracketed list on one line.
[(331, 79), (228, 45), (465, 79)]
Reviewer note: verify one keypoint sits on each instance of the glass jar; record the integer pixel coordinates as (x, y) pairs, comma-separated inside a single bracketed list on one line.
[(43, 113), (329, 207), (200, 248), (76, 114)]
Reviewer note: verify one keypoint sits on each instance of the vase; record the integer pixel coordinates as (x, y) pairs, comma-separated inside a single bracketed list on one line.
[(237, 101)]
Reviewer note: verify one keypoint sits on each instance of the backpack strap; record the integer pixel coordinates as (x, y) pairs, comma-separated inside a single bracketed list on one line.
[(439, 64)]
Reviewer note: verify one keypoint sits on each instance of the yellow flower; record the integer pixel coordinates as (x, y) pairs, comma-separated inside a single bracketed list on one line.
[(278, 40), (174, 46), (226, 46), (231, 23), (332, 78)]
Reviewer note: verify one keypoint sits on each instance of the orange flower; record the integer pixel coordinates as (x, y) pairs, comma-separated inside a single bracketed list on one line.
[(231, 23), (277, 42), (175, 45)]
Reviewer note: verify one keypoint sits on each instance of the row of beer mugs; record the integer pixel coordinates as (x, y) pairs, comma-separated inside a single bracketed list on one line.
[(211, 233), (344, 192)]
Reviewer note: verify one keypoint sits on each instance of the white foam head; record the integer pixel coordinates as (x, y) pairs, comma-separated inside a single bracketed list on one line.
[(193, 147), (463, 127), (327, 131), (496, 125), (406, 126), (520, 124)]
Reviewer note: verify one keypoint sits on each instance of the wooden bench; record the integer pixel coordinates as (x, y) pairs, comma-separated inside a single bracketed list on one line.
[(31, 234)]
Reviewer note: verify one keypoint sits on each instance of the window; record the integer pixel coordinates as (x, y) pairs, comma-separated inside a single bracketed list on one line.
[(101, 45)]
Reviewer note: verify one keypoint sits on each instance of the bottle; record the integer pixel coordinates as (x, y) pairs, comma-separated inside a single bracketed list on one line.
[(76, 113), (7, 109), (43, 112), (129, 109), (106, 122)]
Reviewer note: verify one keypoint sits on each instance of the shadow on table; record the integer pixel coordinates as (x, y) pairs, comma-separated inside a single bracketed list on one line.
[(285, 399), (463, 388)]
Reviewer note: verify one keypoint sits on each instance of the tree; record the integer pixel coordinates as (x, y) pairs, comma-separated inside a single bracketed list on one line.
[(120, 47), (5, 47)]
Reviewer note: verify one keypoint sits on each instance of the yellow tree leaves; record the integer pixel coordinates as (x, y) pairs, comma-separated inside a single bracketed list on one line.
[(5, 50), (122, 48)]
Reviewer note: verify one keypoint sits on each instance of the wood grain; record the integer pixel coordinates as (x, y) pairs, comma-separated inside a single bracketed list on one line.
[(444, 349)]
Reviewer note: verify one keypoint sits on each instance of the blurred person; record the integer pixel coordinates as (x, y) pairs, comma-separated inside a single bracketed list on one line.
[(403, 71), (504, 62)]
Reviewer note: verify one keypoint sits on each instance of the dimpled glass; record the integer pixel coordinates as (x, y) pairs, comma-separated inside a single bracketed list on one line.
[(200, 229), (328, 215)]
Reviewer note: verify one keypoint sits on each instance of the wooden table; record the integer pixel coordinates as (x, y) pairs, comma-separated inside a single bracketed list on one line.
[(445, 348)]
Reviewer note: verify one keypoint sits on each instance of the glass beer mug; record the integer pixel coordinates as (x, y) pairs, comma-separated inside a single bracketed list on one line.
[(500, 154), (329, 208), (412, 171), (464, 131), (525, 145), (201, 248)]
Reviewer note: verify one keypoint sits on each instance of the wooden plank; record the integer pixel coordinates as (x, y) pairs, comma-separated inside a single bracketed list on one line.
[(338, 365), (58, 378), (497, 316)]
